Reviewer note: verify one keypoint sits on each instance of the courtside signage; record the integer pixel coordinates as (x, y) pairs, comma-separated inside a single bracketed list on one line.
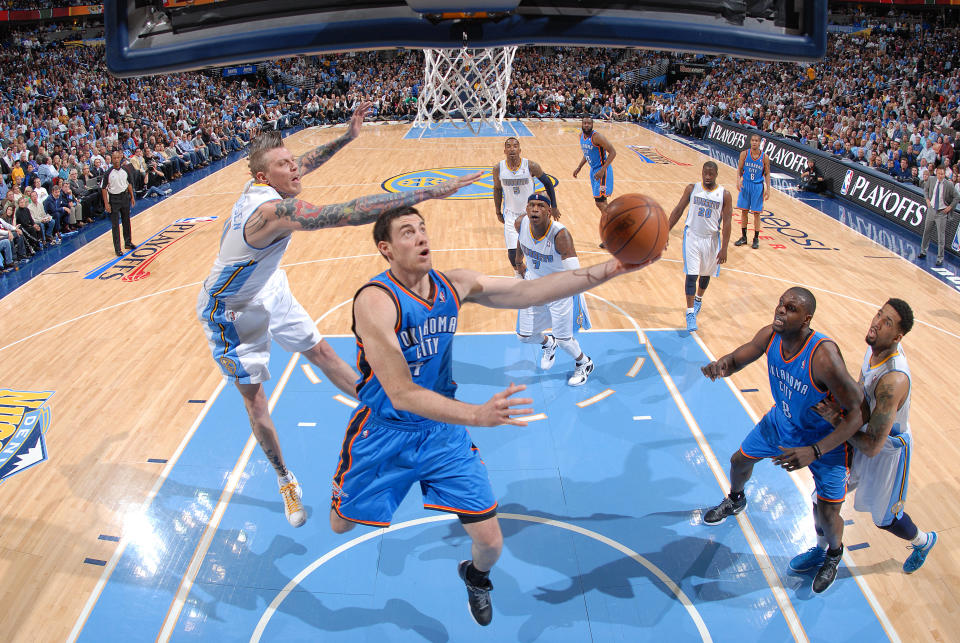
[(24, 419), (133, 265), (482, 188), (898, 202)]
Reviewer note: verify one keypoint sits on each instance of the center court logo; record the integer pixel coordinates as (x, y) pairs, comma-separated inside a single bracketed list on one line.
[(23, 422), (482, 188), (133, 265)]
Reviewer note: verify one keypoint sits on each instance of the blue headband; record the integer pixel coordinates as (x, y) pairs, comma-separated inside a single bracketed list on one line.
[(537, 196)]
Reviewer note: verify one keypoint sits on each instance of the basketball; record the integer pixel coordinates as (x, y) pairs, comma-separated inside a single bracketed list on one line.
[(634, 228)]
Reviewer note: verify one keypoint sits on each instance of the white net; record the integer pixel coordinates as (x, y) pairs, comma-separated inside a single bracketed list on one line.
[(467, 84)]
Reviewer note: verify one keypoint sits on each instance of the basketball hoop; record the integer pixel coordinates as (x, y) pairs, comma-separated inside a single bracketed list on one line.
[(468, 84)]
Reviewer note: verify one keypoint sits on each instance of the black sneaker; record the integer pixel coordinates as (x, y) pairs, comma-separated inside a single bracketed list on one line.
[(827, 573), (478, 597), (756, 243), (742, 241), (725, 509)]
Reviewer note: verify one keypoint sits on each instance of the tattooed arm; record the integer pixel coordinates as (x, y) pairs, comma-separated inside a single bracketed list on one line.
[(496, 292), (320, 155), (891, 391), (276, 219)]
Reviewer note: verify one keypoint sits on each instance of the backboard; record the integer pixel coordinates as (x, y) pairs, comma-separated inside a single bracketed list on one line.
[(156, 36)]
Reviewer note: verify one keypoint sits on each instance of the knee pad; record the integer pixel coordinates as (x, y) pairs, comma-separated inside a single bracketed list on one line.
[(570, 346), (512, 254), (704, 281), (690, 285)]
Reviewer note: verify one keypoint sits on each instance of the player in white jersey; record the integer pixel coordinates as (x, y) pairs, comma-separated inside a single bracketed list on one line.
[(705, 236), (512, 186), (246, 302), (544, 246), (883, 447)]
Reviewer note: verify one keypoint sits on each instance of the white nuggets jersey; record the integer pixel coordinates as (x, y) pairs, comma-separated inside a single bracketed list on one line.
[(565, 316), (881, 481), (870, 375), (240, 270), (541, 254), (706, 210), (517, 186)]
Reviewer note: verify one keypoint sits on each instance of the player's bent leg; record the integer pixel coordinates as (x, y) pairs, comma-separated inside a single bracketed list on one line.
[(487, 543), (333, 366)]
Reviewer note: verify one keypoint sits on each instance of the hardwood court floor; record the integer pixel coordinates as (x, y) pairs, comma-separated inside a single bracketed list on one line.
[(125, 357)]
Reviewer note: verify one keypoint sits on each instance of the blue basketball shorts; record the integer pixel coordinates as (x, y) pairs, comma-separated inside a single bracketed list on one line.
[(830, 472), (604, 187), (751, 197), (381, 460)]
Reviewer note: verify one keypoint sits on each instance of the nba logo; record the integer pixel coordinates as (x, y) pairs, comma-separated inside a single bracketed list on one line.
[(847, 180)]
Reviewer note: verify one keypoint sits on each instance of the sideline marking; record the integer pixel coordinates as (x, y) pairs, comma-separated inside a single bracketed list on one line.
[(126, 537)]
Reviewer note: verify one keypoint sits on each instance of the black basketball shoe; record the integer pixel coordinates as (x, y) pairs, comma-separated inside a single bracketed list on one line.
[(478, 596)]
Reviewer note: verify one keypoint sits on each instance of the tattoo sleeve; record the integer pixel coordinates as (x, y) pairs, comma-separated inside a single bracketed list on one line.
[(360, 211), (320, 155)]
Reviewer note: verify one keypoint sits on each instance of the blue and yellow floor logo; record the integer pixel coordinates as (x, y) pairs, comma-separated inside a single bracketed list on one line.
[(23, 422), (482, 188)]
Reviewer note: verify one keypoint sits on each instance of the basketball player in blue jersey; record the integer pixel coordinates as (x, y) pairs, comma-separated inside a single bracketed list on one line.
[(882, 448), (705, 236), (512, 186), (753, 183), (544, 247), (410, 428), (803, 366), (599, 152), (246, 301)]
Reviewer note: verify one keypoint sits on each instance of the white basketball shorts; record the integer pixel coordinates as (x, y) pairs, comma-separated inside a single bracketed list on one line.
[(700, 254), (239, 334), (510, 234)]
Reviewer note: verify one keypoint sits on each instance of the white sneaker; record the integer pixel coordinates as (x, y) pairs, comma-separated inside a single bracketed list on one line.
[(291, 493), (549, 353), (581, 373)]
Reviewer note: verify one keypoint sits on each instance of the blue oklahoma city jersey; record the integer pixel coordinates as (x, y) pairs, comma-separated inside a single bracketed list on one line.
[(594, 154), (794, 391), (425, 333), (753, 169)]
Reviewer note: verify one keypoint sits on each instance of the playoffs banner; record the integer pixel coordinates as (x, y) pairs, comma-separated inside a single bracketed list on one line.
[(898, 202)]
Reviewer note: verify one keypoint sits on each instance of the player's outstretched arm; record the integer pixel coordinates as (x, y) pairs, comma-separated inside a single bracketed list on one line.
[(828, 370), (320, 155), (375, 317), (741, 357), (496, 292), (681, 206), (275, 219)]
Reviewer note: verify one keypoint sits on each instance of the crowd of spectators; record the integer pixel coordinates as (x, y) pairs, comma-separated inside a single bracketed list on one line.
[(887, 98)]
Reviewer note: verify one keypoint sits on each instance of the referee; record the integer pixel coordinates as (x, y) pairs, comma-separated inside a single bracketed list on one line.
[(117, 200)]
